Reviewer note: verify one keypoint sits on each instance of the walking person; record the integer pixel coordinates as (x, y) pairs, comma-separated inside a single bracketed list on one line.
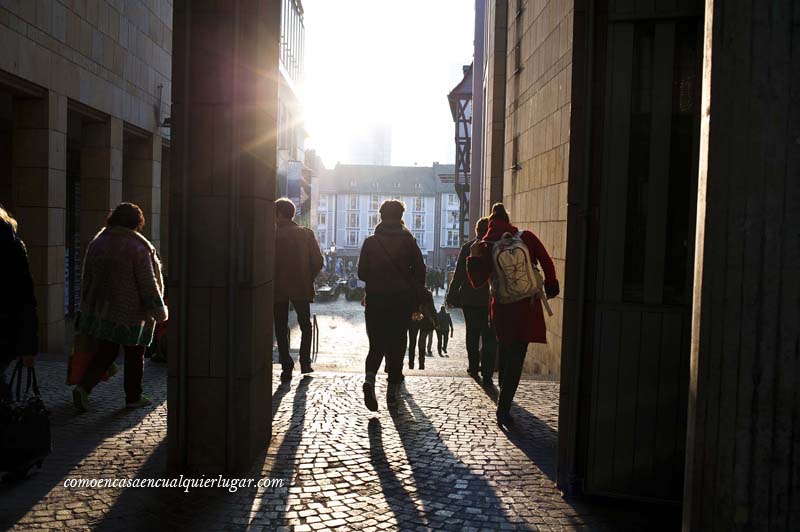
[(122, 299), (506, 257), (444, 327), (423, 328), (298, 261), (474, 302), (392, 267), (18, 321)]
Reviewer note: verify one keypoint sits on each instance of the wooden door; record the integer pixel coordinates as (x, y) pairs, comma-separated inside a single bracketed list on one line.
[(645, 230)]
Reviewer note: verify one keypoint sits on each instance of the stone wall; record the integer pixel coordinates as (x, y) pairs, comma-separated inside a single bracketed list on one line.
[(538, 90), (109, 55)]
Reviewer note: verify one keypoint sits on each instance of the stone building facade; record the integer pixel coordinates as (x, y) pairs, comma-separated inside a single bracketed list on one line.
[(651, 146), (84, 95)]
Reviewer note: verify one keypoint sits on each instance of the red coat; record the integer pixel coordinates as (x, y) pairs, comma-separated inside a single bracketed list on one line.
[(522, 321)]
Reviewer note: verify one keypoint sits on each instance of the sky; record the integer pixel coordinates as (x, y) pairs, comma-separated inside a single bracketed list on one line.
[(385, 61)]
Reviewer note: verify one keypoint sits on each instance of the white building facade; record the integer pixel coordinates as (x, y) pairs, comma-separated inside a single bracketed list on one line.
[(350, 196)]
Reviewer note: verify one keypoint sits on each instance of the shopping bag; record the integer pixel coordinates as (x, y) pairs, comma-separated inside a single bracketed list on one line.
[(84, 350)]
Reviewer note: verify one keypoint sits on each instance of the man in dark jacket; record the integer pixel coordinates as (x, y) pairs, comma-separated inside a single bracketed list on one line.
[(18, 321), (392, 267), (474, 302), (444, 330), (298, 261)]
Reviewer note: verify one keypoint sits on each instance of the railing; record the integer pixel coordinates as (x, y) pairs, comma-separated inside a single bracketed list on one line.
[(293, 39)]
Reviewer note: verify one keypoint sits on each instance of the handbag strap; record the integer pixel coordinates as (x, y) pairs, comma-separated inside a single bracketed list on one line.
[(30, 380)]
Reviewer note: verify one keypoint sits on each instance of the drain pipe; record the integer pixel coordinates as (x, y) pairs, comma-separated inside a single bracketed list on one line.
[(573, 480)]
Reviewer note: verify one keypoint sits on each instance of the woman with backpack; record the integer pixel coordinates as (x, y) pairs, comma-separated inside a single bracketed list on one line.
[(506, 258)]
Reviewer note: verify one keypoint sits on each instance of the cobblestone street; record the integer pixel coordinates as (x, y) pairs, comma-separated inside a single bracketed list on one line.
[(343, 340), (439, 462)]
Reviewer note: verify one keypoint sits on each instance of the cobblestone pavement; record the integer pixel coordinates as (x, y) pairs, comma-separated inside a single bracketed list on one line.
[(343, 342), (439, 462)]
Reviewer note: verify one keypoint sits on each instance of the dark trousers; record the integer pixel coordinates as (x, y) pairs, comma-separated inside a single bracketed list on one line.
[(387, 327), (106, 354), (414, 332), (280, 313), (481, 340), (441, 340), (512, 357), (5, 390), (424, 338)]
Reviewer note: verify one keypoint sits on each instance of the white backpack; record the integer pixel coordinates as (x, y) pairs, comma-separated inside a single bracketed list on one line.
[(514, 276)]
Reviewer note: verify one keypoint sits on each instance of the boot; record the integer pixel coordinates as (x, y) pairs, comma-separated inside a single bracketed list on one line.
[(370, 400), (391, 395)]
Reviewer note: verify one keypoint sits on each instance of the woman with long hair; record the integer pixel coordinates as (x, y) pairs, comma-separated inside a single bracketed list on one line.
[(122, 298), (518, 323), (18, 322)]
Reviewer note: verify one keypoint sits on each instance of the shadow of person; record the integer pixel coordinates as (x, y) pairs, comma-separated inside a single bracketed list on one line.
[(392, 488), (215, 508), (78, 439), (451, 495)]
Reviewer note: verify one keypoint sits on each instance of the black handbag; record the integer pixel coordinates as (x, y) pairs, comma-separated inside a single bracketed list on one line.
[(24, 426)]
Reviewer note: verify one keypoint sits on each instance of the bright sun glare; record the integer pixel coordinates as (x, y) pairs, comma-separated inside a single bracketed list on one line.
[(388, 62)]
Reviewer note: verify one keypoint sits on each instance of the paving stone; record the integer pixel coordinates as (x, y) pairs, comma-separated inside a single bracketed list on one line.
[(438, 462)]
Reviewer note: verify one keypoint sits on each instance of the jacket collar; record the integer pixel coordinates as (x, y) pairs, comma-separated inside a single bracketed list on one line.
[(392, 229), (284, 223)]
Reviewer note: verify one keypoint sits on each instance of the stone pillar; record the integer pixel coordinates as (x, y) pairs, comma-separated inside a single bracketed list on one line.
[(101, 175), (224, 116), (744, 409), (39, 189), (141, 182)]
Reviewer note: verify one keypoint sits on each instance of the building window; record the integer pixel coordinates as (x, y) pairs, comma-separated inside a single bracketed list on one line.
[(352, 202), (452, 218), (323, 218), (374, 203), (396, 184), (352, 238), (452, 200), (353, 219), (322, 236), (418, 185), (323, 202), (452, 237), (397, 198), (420, 236), (373, 221), (418, 221), (419, 204)]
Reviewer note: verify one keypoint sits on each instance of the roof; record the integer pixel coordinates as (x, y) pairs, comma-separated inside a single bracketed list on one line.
[(462, 91), (374, 179), (445, 177)]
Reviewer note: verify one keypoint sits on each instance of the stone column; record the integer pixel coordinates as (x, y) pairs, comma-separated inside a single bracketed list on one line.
[(224, 115), (39, 189), (141, 182), (101, 175), (742, 446)]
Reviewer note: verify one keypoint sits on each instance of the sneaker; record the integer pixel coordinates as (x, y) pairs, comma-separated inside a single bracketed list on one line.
[(80, 398), (143, 401), (286, 375), (370, 400), (306, 368), (486, 382)]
